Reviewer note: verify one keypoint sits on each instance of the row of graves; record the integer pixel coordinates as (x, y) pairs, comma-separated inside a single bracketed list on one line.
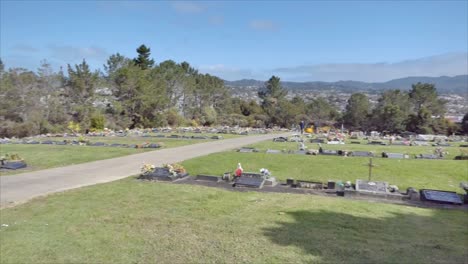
[(263, 181), (302, 149), (77, 142)]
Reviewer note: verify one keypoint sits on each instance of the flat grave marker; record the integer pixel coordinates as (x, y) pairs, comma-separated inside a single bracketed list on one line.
[(371, 186), (273, 151), (362, 154), (13, 165), (438, 196)]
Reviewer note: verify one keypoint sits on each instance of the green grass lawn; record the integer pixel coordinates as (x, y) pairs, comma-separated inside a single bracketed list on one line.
[(48, 156), (431, 174), (131, 221)]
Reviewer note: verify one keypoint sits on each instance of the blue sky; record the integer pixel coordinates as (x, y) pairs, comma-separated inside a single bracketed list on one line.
[(298, 41)]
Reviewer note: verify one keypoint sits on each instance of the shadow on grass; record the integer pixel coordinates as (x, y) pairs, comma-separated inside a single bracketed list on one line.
[(398, 238)]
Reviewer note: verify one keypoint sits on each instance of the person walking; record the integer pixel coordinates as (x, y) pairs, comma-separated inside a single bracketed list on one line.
[(302, 125)]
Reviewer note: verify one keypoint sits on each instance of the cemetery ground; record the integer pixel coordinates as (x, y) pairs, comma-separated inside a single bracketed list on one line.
[(157, 222), (41, 156), (132, 221)]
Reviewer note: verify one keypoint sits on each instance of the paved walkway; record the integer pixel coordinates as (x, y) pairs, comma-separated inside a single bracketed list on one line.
[(20, 188)]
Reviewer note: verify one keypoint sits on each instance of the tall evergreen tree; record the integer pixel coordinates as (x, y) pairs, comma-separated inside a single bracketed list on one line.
[(143, 60)]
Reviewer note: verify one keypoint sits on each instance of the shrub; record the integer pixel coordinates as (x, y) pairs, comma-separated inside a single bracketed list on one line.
[(98, 122)]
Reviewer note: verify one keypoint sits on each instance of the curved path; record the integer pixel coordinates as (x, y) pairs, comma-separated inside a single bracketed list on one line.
[(20, 188)]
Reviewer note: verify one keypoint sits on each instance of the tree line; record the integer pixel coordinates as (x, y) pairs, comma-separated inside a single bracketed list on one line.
[(137, 92)]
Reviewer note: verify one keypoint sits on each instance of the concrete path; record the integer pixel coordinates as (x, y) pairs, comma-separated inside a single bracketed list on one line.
[(16, 189)]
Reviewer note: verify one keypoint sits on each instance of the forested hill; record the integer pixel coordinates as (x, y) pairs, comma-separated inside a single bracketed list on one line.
[(445, 85)]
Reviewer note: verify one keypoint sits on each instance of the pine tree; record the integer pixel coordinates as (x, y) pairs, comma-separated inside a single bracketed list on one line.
[(143, 60)]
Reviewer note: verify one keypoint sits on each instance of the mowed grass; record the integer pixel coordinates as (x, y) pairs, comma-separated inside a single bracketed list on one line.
[(417, 173), (40, 156), (131, 221)]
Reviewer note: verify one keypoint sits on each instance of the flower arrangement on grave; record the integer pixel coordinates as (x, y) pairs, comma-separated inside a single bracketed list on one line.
[(8, 157), (147, 168), (265, 172), (83, 140), (175, 168)]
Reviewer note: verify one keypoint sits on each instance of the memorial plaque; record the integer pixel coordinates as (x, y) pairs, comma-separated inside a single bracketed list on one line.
[(199, 137), (317, 140), (355, 142), (33, 142), (115, 145), (252, 182), (160, 136), (98, 144), (153, 145), (376, 143), (330, 185), (362, 154), (437, 196), (173, 136), (216, 137), (61, 143), (13, 165), (247, 150), (328, 152), (209, 178), (273, 151), (371, 186), (464, 146), (428, 156), (280, 139), (394, 155), (47, 142)]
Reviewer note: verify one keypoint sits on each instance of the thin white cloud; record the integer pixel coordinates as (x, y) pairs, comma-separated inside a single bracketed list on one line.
[(226, 72), (187, 7), (263, 25), (69, 54), (24, 48), (449, 64)]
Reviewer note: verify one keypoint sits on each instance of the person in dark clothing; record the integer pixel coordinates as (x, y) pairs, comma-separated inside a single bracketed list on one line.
[(302, 125)]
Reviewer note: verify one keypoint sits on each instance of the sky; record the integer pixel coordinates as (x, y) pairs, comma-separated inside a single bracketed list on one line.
[(372, 41)]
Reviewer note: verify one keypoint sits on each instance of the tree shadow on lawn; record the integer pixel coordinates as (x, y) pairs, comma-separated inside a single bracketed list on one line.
[(398, 238)]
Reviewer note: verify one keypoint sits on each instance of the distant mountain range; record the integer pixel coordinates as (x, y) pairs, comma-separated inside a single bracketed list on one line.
[(444, 84)]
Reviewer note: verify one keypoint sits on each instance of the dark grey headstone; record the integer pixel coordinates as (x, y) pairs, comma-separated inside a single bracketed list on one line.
[(464, 146), (173, 136), (330, 185), (13, 165), (199, 137), (355, 142), (252, 182), (362, 154), (328, 152), (437, 196), (48, 142), (209, 178), (280, 139), (317, 140), (33, 142), (160, 136), (115, 145), (60, 143), (428, 156), (371, 186), (376, 143), (394, 155), (247, 150), (98, 144), (153, 145), (217, 137)]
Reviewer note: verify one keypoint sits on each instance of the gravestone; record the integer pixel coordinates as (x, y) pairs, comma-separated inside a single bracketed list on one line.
[(371, 186), (290, 181), (210, 178), (355, 142), (115, 145), (280, 139), (309, 185), (252, 182), (217, 137), (173, 136), (153, 145), (247, 150), (60, 143), (394, 155), (443, 197), (160, 136), (300, 152), (328, 152), (33, 142), (464, 146), (330, 185), (273, 151), (428, 156), (132, 146), (376, 143), (162, 174), (362, 154), (47, 142), (199, 137), (98, 144), (271, 181), (13, 165), (317, 140)]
